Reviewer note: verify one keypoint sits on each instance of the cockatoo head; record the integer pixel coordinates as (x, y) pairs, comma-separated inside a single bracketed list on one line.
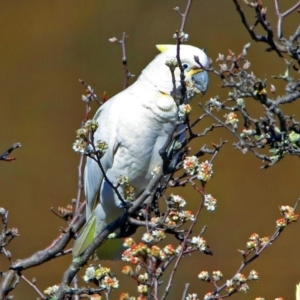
[(158, 73)]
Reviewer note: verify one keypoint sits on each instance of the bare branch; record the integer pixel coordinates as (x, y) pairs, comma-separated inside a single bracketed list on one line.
[(183, 245), (260, 15), (5, 156), (127, 74), (281, 16), (55, 249)]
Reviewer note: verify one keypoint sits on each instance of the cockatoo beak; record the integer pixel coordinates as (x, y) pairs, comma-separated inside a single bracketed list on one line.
[(200, 80)]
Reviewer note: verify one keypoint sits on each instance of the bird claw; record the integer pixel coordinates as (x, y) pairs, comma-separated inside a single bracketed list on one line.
[(126, 204)]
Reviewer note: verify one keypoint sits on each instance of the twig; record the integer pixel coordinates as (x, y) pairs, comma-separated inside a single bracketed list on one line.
[(127, 74), (180, 37), (204, 150), (55, 249), (7, 235), (268, 39), (281, 16), (80, 183), (220, 122), (98, 161), (5, 157), (33, 286), (79, 192), (182, 76), (186, 287), (184, 15), (169, 284), (90, 95)]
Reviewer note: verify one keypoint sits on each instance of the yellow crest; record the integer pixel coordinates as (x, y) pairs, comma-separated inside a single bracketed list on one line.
[(163, 48)]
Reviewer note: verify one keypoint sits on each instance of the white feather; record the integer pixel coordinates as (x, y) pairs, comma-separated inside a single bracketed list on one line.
[(298, 291)]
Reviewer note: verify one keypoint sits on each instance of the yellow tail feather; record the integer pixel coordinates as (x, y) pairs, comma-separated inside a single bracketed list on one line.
[(86, 236), (111, 249)]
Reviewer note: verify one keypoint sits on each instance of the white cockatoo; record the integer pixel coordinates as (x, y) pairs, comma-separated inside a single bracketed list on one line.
[(135, 125)]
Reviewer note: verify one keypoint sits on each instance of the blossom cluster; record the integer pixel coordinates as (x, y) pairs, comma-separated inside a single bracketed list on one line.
[(51, 290), (256, 242), (192, 297), (214, 104), (231, 118), (176, 215), (84, 137), (203, 170), (199, 243), (184, 110), (139, 254), (182, 36), (289, 216), (128, 190), (146, 249), (210, 202), (236, 284), (260, 298), (101, 276), (125, 296)]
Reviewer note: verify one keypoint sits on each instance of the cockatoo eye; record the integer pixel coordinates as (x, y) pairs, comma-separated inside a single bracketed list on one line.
[(186, 66)]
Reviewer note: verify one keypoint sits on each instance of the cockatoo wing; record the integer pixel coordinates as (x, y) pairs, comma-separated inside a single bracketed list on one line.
[(107, 116), (122, 127), (93, 180)]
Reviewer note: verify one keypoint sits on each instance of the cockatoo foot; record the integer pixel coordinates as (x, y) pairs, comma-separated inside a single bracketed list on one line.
[(125, 204), (127, 230)]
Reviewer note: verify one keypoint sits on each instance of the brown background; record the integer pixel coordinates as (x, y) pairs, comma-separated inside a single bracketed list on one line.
[(45, 46)]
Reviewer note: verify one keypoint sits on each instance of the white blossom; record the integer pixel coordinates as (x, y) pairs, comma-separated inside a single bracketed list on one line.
[(199, 242), (190, 165), (210, 202)]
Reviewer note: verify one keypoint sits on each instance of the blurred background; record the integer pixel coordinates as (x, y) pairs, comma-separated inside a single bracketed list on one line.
[(46, 46)]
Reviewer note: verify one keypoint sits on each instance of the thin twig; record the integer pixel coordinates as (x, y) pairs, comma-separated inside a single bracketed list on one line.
[(186, 287), (281, 16), (55, 249), (33, 286), (5, 156), (115, 188), (127, 74), (90, 93), (184, 15), (220, 122), (80, 183), (168, 287), (268, 39)]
